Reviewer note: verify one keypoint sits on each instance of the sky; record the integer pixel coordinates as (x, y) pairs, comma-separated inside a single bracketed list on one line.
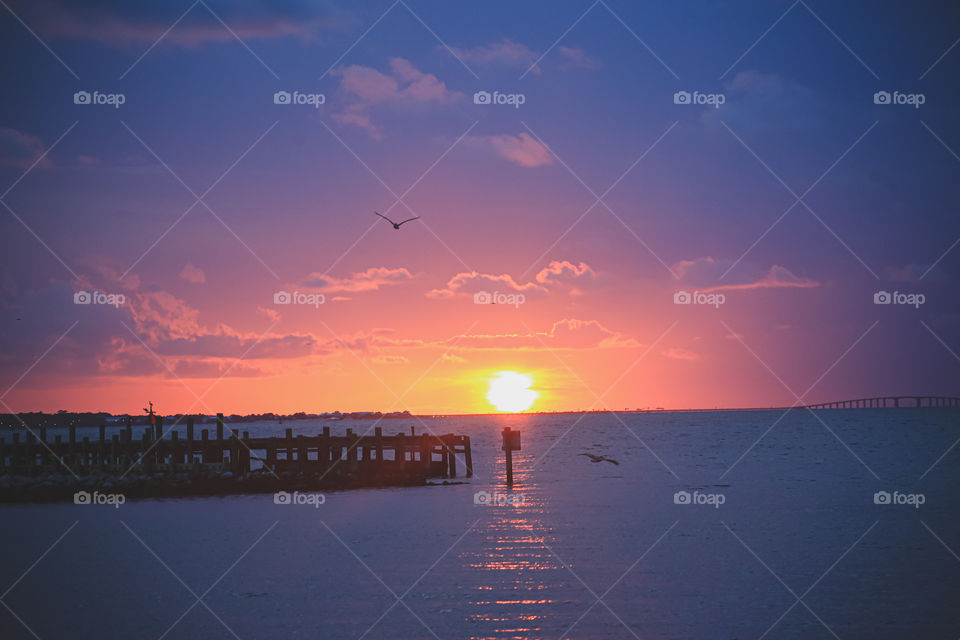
[(188, 194)]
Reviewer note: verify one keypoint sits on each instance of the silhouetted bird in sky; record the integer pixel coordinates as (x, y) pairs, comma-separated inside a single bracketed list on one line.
[(594, 458), (396, 225)]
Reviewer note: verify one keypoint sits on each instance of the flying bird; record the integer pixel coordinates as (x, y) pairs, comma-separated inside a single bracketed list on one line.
[(396, 225), (594, 458)]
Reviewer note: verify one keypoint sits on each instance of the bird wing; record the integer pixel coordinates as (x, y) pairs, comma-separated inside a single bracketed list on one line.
[(384, 217), (591, 456), (612, 460), (407, 220)]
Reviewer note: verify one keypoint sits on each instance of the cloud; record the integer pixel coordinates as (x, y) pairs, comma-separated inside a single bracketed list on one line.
[(564, 271), (193, 274), (676, 353), (468, 283), (370, 280), (118, 23), (568, 333), (707, 273), (452, 357), (776, 278), (505, 52), (576, 57), (555, 275), (389, 359), (521, 149), (761, 101), (215, 369), (364, 88), (20, 150)]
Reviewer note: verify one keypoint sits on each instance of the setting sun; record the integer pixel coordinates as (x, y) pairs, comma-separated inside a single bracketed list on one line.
[(510, 392)]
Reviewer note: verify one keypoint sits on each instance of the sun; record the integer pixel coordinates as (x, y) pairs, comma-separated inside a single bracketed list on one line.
[(510, 392)]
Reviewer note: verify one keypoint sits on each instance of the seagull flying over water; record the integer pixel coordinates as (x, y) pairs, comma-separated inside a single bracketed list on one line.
[(396, 225), (594, 458)]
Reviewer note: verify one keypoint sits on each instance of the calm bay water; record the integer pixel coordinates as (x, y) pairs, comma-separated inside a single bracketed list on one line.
[(776, 532)]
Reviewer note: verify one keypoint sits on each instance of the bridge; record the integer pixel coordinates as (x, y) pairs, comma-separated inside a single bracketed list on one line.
[(887, 402)]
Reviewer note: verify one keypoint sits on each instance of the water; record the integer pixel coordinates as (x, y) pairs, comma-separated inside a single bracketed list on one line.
[(595, 550)]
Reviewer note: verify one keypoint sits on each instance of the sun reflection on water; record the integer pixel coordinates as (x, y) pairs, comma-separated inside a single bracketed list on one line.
[(517, 573)]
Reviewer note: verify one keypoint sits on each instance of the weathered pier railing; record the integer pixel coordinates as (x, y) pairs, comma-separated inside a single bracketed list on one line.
[(888, 402), (363, 458)]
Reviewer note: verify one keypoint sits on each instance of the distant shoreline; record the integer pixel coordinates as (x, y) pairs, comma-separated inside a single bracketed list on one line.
[(15, 421)]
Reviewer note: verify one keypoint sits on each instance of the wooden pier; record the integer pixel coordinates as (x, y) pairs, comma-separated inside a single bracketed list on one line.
[(322, 460)]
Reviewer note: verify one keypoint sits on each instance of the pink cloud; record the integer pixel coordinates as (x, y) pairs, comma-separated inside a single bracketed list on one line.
[(676, 353), (568, 333), (506, 52), (193, 274), (710, 273), (577, 57), (521, 149), (20, 150), (129, 24), (555, 274), (370, 280), (563, 271), (365, 88), (777, 278)]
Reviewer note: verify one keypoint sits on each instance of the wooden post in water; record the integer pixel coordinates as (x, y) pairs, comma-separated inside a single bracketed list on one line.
[(15, 455), (511, 443), (144, 455), (234, 452), (219, 438), (73, 442), (323, 450), (128, 439), (351, 446), (245, 453), (189, 459), (288, 435), (30, 456), (204, 446), (99, 458), (44, 451), (468, 456), (452, 460), (158, 454), (400, 452)]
